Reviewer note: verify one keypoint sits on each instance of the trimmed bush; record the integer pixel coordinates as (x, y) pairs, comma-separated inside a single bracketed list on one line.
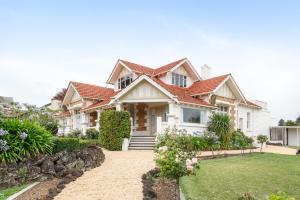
[(92, 133), (70, 144), (114, 127), (75, 134), (20, 139)]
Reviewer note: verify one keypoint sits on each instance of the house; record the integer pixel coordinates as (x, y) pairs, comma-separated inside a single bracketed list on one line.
[(173, 95)]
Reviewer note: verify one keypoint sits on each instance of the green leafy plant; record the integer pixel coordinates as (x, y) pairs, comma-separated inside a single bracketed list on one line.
[(212, 141), (290, 123), (261, 140), (23, 172), (240, 141), (76, 133), (70, 144), (114, 127), (280, 196), (20, 138), (220, 124), (92, 133)]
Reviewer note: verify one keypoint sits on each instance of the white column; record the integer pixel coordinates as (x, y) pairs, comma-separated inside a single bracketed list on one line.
[(98, 119), (158, 125), (171, 115), (119, 106)]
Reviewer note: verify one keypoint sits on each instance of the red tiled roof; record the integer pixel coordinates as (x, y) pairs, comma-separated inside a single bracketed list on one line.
[(92, 91), (167, 67), (60, 95), (182, 94), (206, 86), (138, 68)]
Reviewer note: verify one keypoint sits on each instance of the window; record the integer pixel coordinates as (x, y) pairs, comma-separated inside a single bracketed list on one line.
[(248, 119), (223, 108), (179, 80), (123, 82), (190, 115)]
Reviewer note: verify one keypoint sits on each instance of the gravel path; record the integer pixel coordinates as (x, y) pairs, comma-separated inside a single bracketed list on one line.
[(119, 177)]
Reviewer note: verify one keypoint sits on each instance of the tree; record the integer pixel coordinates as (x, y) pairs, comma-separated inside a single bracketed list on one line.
[(261, 140), (298, 121), (220, 124), (281, 122), (290, 123)]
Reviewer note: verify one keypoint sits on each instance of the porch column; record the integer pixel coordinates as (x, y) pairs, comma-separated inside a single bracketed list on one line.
[(297, 137), (119, 106), (171, 115), (158, 125), (98, 119), (83, 122)]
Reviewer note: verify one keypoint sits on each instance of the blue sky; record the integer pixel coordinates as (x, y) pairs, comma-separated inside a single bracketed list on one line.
[(45, 44)]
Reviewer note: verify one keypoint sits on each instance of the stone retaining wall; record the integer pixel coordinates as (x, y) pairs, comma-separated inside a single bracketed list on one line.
[(44, 167)]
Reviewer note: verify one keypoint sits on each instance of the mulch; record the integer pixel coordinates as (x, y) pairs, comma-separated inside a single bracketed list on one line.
[(39, 191)]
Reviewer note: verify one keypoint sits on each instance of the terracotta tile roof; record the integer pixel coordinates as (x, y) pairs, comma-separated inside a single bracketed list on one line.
[(138, 68), (182, 94), (167, 67), (60, 95), (206, 86), (92, 91)]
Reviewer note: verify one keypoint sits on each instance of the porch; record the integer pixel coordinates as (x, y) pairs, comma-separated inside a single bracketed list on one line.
[(285, 135)]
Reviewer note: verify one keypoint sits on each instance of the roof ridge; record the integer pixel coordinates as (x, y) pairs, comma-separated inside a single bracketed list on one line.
[(90, 84)]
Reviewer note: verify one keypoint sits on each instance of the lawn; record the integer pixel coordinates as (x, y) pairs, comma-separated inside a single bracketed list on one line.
[(259, 174), (10, 191)]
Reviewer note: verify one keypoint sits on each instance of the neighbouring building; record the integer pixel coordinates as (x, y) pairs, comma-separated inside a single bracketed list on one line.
[(173, 95)]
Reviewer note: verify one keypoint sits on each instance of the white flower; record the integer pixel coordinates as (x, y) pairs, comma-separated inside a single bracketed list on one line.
[(188, 162), (3, 132), (23, 135), (189, 168), (194, 160), (163, 148)]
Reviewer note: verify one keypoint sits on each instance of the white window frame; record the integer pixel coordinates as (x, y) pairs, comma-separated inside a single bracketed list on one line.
[(203, 115), (124, 79), (179, 80)]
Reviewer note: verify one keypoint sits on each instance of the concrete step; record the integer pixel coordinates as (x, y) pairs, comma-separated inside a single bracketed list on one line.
[(140, 148), (142, 144)]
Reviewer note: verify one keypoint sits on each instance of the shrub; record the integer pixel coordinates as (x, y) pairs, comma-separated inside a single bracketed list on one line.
[(70, 144), (114, 127), (280, 196), (247, 196), (212, 141), (23, 138), (174, 154), (220, 124), (76, 133), (92, 133), (240, 141), (261, 140)]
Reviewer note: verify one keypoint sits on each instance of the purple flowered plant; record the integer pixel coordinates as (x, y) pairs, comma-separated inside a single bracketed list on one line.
[(3, 132), (3, 145), (23, 135)]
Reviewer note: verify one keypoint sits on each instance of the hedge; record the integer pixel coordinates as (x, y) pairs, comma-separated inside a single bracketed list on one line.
[(114, 127), (70, 144)]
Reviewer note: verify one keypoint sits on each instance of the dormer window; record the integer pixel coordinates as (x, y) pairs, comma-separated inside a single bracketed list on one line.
[(124, 81), (179, 80)]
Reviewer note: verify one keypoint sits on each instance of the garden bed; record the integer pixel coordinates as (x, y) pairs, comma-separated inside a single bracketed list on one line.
[(155, 188)]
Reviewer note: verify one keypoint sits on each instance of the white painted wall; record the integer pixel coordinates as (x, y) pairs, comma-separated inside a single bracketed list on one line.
[(225, 91), (292, 140), (167, 78)]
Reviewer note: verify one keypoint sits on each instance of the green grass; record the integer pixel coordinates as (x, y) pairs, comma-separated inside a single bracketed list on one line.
[(259, 174), (5, 193)]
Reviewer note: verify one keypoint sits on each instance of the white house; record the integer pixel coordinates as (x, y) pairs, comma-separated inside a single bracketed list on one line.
[(173, 95)]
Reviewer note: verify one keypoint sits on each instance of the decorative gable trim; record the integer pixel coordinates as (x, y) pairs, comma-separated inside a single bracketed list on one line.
[(117, 65), (136, 82), (68, 95)]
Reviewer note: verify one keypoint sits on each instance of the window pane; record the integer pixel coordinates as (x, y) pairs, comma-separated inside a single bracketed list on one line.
[(191, 115)]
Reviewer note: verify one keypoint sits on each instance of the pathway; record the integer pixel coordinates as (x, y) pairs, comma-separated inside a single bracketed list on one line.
[(119, 177)]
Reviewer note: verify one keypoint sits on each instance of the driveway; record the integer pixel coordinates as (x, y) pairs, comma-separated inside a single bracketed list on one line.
[(119, 177)]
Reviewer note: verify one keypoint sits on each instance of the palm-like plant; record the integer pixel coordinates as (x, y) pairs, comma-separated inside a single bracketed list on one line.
[(221, 125)]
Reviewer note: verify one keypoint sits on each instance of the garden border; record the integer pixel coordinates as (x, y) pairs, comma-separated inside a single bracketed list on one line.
[(22, 191)]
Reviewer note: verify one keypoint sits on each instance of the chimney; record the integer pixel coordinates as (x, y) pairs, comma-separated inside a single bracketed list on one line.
[(205, 72)]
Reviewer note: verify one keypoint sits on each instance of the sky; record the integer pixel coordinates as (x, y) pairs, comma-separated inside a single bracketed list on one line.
[(46, 44)]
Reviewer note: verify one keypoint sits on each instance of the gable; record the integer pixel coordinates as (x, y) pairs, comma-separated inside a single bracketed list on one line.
[(144, 90), (75, 97), (225, 91)]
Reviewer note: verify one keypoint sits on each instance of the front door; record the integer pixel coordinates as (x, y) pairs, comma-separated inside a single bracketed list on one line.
[(141, 117)]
